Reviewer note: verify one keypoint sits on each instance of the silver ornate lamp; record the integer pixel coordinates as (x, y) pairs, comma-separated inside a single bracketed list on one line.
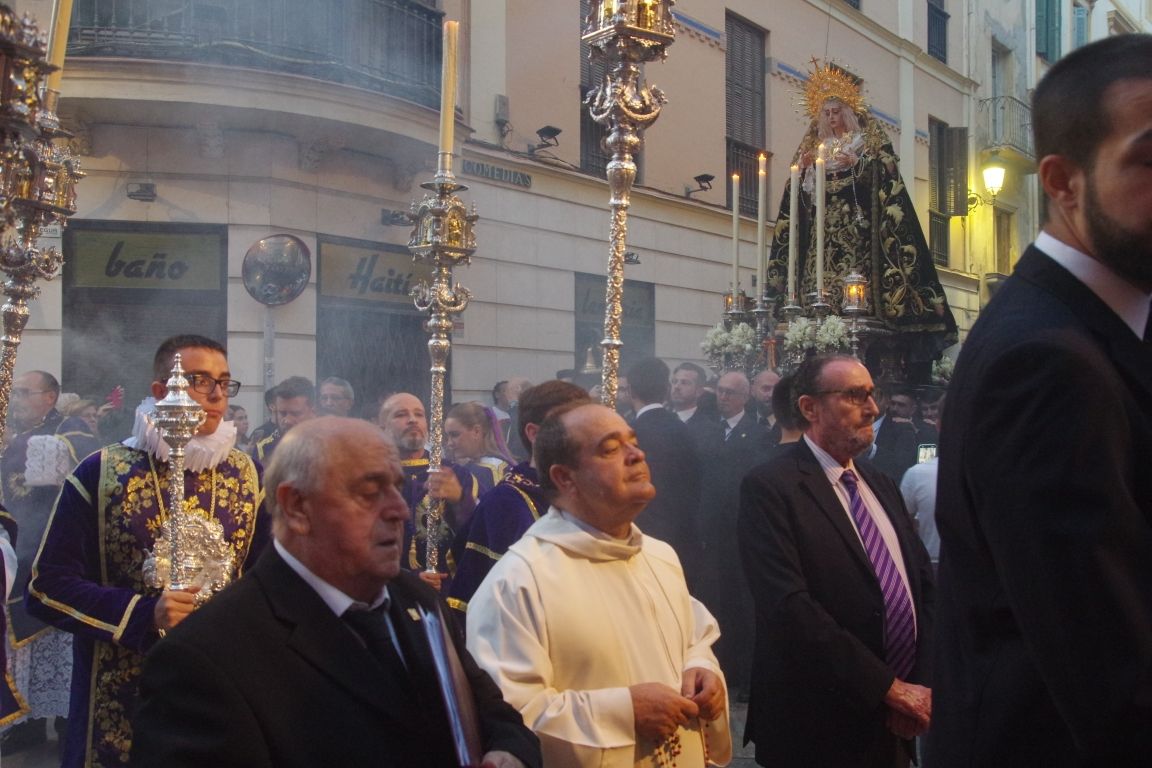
[(191, 550), (855, 304), (37, 181), (626, 34)]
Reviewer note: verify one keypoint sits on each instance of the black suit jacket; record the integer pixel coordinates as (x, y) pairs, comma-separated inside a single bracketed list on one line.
[(266, 675), (675, 467), (819, 675), (896, 448), (1044, 508)]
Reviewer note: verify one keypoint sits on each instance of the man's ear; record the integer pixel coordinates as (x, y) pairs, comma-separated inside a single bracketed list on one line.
[(807, 407), (561, 477), (531, 430), (291, 503), (1063, 182), (159, 389)]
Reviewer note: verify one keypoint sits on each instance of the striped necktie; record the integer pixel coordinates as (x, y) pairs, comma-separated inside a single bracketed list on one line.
[(899, 621)]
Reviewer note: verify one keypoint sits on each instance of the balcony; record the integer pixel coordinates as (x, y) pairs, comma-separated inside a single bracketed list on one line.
[(1006, 126), (391, 47)]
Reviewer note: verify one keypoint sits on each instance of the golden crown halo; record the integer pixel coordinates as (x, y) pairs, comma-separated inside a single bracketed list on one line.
[(828, 81)]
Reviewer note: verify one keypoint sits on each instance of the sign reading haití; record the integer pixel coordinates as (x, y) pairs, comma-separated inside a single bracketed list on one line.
[(176, 260), (369, 273), (496, 173)]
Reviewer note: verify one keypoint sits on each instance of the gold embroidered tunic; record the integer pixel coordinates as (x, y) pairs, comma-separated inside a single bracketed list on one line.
[(88, 578)]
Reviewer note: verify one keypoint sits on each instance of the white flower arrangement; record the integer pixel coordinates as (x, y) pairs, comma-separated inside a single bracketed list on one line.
[(715, 341), (831, 335), (942, 371), (804, 335), (741, 340)]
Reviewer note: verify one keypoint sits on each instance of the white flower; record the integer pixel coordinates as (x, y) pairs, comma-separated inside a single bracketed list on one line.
[(716, 341), (942, 371), (741, 339)]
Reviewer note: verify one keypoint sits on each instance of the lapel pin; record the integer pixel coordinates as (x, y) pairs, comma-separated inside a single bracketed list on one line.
[(413, 614)]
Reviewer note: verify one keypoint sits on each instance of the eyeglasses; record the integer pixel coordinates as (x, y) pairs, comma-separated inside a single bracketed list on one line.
[(25, 392), (205, 384), (854, 395)]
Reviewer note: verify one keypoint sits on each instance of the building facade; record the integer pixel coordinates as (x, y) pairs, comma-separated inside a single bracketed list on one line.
[(206, 126)]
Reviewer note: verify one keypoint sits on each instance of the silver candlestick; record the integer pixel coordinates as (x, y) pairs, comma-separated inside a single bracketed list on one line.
[(443, 237)]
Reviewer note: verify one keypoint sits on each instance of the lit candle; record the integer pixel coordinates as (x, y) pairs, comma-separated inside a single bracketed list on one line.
[(59, 43), (793, 216), (735, 233), (820, 222), (448, 87), (761, 222)]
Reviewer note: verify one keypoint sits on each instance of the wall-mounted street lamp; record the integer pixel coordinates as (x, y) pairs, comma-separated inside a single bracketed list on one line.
[(993, 174)]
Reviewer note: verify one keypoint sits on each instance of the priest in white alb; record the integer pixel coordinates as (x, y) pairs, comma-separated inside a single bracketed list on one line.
[(587, 625)]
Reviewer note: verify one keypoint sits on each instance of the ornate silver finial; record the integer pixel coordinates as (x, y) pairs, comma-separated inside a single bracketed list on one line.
[(625, 34)]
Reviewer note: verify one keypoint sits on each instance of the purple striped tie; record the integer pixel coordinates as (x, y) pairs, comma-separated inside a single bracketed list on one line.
[(899, 622)]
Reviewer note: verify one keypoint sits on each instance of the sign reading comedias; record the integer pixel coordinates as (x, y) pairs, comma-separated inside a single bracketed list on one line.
[(496, 173), (185, 261)]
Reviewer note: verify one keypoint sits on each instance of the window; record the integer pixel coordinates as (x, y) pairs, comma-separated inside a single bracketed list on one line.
[(1080, 21), (1003, 241), (745, 114), (947, 183), (593, 155), (1048, 29), (854, 3), (937, 30)]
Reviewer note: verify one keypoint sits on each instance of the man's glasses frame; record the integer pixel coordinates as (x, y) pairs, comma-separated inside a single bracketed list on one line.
[(854, 395), (205, 384)]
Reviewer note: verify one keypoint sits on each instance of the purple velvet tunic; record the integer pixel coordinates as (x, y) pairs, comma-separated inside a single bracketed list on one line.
[(88, 577), (455, 515), (500, 519)]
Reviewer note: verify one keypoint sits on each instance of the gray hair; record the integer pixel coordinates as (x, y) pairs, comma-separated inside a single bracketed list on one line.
[(343, 384)]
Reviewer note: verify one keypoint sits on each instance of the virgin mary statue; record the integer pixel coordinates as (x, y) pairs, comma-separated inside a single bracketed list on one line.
[(870, 226)]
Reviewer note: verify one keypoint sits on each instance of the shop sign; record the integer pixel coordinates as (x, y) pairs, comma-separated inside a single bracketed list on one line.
[(369, 274), (185, 261)]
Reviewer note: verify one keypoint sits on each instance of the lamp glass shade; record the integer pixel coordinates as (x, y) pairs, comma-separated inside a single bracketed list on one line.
[(993, 179), (854, 285)]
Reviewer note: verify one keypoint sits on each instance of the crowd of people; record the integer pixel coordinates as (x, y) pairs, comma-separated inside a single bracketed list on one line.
[(607, 581)]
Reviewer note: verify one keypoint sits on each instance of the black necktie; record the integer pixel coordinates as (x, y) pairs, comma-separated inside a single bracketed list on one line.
[(372, 627)]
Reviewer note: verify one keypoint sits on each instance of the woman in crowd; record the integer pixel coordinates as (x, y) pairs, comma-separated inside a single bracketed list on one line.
[(471, 439)]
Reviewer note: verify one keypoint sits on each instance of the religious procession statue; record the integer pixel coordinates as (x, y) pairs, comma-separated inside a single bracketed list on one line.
[(870, 228)]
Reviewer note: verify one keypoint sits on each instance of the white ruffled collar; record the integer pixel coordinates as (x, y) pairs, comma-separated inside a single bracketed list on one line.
[(202, 452)]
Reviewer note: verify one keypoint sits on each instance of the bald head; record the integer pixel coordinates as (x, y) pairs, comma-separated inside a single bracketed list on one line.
[(403, 418), (334, 488)]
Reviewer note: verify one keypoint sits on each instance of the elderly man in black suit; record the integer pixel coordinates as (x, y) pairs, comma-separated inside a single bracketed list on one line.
[(323, 653), (673, 461), (842, 587), (739, 445), (1045, 496)]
